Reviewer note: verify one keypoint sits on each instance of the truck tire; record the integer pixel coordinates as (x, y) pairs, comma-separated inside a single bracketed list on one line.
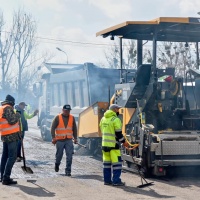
[(94, 146), (40, 118), (45, 134), (91, 145), (83, 140)]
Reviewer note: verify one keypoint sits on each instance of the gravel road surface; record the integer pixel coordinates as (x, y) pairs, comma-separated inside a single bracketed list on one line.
[(86, 182)]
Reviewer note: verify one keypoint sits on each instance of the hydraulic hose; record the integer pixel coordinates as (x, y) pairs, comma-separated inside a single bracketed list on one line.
[(132, 145)]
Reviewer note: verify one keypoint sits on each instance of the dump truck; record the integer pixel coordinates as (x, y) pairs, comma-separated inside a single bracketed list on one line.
[(79, 85), (160, 110)]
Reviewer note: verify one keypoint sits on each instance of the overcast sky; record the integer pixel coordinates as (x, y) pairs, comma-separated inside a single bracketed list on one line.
[(76, 22)]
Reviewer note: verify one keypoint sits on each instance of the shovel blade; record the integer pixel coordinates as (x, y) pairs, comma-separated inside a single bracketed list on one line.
[(145, 185), (27, 170)]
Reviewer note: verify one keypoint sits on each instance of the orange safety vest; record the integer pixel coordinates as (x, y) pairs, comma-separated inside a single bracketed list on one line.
[(61, 132), (5, 127)]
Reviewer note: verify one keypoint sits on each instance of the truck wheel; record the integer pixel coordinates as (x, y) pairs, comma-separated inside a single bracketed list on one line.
[(94, 147), (45, 134), (40, 118), (83, 140), (90, 145)]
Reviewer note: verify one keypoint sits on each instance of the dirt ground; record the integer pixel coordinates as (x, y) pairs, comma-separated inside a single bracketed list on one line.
[(86, 182)]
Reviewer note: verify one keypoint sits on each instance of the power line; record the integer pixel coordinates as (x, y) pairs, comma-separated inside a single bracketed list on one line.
[(68, 41), (73, 42)]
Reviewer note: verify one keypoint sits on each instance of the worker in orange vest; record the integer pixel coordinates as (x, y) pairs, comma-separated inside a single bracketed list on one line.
[(63, 131), (9, 130)]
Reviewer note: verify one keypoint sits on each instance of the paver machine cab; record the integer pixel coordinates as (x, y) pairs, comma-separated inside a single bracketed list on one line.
[(162, 110)]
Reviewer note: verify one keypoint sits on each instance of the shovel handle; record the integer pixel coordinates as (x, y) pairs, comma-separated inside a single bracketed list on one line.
[(20, 136), (81, 145), (23, 153)]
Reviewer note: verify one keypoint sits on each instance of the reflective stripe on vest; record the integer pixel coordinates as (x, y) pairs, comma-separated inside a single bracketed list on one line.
[(108, 132), (5, 127), (62, 132), (108, 137)]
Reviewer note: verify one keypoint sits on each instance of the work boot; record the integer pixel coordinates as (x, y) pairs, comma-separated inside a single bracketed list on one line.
[(56, 167), (68, 174), (119, 184), (9, 182), (10, 179), (108, 183), (21, 157), (18, 159)]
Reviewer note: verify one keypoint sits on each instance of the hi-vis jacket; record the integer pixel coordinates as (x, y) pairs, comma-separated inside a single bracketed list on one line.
[(5, 127), (110, 124), (62, 132)]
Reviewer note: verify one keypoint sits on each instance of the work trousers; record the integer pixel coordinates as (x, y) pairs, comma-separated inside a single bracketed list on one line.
[(8, 159), (112, 166), (19, 146), (68, 146)]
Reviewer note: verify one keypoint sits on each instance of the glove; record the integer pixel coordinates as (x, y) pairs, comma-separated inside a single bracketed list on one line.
[(75, 141), (125, 144), (54, 141), (18, 111), (36, 112)]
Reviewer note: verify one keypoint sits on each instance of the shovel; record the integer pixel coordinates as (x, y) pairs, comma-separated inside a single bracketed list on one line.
[(24, 168), (81, 145)]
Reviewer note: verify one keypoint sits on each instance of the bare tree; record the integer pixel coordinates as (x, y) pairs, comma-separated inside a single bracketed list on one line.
[(17, 55), (112, 55), (24, 29), (178, 55), (7, 48)]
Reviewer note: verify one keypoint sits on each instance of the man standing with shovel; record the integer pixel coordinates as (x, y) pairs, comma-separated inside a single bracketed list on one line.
[(9, 130)]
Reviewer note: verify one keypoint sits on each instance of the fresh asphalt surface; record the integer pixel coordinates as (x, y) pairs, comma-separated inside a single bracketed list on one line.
[(86, 182)]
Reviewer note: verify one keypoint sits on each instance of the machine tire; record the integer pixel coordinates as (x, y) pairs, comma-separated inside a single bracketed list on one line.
[(91, 145), (83, 140), (45, 134), (171, 172), (40, 118)]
